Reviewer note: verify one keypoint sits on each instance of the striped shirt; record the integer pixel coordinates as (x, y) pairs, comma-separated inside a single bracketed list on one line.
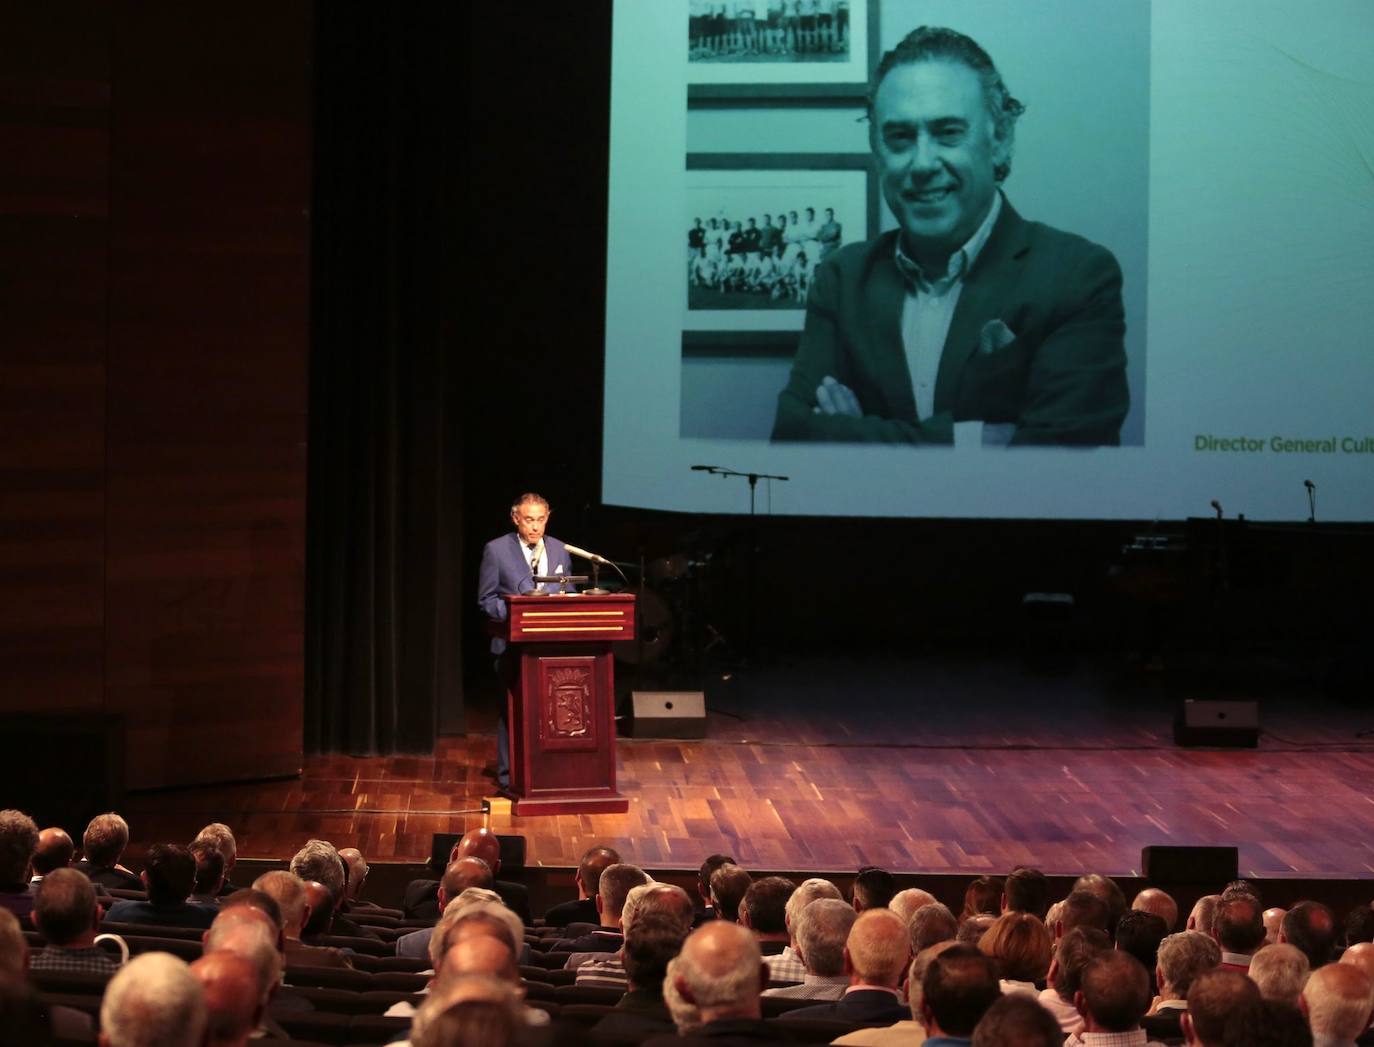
[(604, 974), (93, 960)]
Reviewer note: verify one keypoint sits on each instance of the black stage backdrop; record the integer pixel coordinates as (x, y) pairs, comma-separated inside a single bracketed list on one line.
[(384, 512)]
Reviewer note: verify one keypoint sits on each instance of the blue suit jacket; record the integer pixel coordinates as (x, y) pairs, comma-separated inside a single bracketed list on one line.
[(505, 571)]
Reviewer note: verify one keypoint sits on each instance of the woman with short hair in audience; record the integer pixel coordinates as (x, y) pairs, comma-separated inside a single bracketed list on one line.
[(1021, 945), (983, 895)]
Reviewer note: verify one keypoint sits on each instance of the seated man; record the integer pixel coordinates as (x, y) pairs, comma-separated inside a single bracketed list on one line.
[(221, 838), (66, 913), (1224, 1007), (1017, 1019), (1113, 998), (289, 892), (663, 899), (18, 841), (719, 973), (820, 935), (233, 1005), (763, 910), (55, 850), (875, 958), (169, 873), (651, 942), (614, 888), (708, 869), (154, 999), (587, 879), (728, 885), (1339, 1003), (958, 987), (1182, 959), (787, 966), (421, 898), (320, 862), (209, 873), (103, 845), (460, 876)]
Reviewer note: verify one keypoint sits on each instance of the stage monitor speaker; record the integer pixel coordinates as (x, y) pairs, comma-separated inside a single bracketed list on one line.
[(512, 853), (1169, 864), (668, 714), (1233, 724)]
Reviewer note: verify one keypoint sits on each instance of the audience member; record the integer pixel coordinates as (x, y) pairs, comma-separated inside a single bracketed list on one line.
[(1280, 971), (1338, 1001), (221, 838), (24, 1020), (320, 862), (708, 869), (421, 898), (959, 986), (788, 966), (1112, 999), (357, 868), (18, 841), (102, 846), (1281, 1025), (1026, 890), (874, 888), (1246, 887), (763, 910), (1361, 954), (1076, 949), (288, 891), (973, 928), (1182, 958), (720, 973), (588, 879), (153, 1001), (233, 1003), (1016, 1020), (1082, 909), (908, 1030), (728, 884), (649, 898), (1159, 902), (1273, 920), (1223, 1009), (1238, 929), (614, 888), (67, 914), (1358, 925), (1107, 889), (169, 873), (457, 878), (1139, 933), (248, 932), (1021, 946), (820, 935), (1311, 928), (466, 918), (905, 903), (983, 895), (875, 958), (931, 924), (472, 1010), (209, 880), (1204, 915), (651, 941), (54, 851)]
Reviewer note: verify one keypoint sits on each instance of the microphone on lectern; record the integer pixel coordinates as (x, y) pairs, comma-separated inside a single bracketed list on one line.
[(702, 468), (593, 557)]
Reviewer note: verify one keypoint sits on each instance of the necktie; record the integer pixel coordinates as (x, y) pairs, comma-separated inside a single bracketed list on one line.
[(534, 561)]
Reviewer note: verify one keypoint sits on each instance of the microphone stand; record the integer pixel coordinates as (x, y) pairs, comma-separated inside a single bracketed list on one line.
[(1311, 501)]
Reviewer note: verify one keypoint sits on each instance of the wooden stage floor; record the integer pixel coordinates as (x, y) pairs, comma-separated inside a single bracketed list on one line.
[(925, 765)]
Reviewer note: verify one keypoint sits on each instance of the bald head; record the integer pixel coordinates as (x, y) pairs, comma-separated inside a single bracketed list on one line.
[(1273, 920), (905, 903), (478, 954), (357, 867), (720, 971), (249, 934), (878, 949), (1338, 999), (589, 869), (1160, 903), (1361, 955), (55, 850), (319, 904), (479, 843), (233, 1004)]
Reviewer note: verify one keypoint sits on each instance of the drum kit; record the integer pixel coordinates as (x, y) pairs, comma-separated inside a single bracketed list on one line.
[(671, 629)]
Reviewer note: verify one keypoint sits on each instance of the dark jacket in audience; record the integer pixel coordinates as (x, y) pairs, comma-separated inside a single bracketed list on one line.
[(175, 914), (581, 911), (729, 1032), (421, 899), (115, 879), (601, 940), (641, 1013), (857, 1005)]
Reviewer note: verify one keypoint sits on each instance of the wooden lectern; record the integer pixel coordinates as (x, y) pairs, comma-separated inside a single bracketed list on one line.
[(561, 700)]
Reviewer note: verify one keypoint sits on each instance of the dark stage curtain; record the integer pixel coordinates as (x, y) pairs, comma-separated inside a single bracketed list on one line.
[(384, 519)]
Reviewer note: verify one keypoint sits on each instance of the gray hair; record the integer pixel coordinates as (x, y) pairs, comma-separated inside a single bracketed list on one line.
[(251, 939), (1280, 971), (906, 903), (1338, 997), (821, 932), (1185, 955), (711, 989), (221, 838), (930, 924), (319, 861), (616, 881), (154, 1001), (288, 891), (105, 838), (806, 893), (492, 912)]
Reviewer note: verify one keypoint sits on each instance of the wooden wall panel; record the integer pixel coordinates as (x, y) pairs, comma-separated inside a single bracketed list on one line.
[(54, 146), (208, 351)]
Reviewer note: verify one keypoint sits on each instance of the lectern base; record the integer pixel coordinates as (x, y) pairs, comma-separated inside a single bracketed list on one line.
[(529, 808)]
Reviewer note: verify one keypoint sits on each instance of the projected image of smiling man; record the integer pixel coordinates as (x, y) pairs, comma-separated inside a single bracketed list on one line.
[(966, 312)]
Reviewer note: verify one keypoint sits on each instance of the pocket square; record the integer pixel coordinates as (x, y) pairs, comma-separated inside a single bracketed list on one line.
[(995, 335)]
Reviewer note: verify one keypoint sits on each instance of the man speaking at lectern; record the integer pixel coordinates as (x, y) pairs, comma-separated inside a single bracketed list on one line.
[(509, 564)]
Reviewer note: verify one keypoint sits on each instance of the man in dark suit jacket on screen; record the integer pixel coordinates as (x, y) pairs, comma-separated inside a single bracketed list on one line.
[(967, 312), (509, 564)]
